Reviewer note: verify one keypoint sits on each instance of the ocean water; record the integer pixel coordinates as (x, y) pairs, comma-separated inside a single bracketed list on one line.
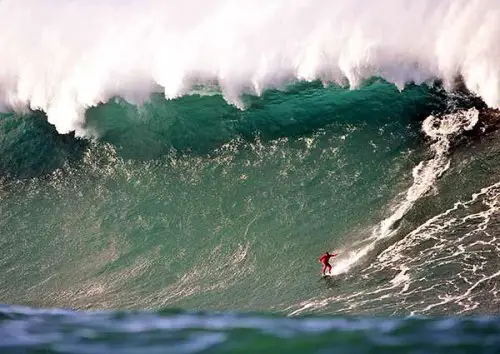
[(170, 174)]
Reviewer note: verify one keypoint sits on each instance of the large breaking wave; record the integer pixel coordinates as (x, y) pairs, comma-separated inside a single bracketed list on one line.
[(65, 56)]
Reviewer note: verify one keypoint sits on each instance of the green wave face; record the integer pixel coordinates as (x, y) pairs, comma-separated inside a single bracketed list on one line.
[(194, 203)]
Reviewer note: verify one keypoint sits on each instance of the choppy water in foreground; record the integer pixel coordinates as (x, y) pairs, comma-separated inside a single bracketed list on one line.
[(58, 331)]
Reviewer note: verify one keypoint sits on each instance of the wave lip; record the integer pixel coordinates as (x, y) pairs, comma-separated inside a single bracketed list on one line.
[(75, 55)]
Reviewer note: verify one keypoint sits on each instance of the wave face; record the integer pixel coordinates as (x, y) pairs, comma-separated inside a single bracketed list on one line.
[(62, 57), (192, 203)]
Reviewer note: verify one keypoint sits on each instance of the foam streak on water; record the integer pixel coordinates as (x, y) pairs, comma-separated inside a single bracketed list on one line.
[(447, 264), (425, 174)]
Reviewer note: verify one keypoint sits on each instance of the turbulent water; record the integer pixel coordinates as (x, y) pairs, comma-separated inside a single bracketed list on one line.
[(201, 157)]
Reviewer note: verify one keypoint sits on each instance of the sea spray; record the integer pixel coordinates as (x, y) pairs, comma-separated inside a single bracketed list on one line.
[(65, 56)]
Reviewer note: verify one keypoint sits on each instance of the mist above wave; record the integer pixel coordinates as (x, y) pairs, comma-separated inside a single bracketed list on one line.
[(65, 56)]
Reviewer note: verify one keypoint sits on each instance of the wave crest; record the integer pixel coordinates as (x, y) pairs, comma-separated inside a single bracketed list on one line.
[(65, 56)]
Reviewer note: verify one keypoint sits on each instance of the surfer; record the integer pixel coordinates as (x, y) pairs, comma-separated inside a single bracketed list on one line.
[(324, 259)]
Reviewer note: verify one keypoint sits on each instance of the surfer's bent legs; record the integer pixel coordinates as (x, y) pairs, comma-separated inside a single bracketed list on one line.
[(326, 266)]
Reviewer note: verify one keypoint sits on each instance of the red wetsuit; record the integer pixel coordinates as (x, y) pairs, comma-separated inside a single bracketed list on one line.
[(324, 259)]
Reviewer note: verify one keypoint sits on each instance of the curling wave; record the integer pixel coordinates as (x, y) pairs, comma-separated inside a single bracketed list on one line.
[(65, 56)]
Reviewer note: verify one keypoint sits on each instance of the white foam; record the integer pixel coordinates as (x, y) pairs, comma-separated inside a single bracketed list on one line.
[(63, 56), (425, 175)]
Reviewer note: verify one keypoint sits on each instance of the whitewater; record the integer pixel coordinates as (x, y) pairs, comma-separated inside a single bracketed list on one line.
[(63, 57)]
